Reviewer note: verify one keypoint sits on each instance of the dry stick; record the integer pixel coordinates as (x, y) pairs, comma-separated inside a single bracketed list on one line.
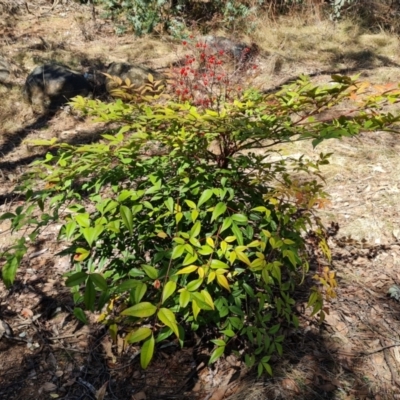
[(389, 364)]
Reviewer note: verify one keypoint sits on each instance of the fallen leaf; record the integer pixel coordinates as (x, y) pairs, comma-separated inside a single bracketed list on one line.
[(101, 392), (139, 396), (27, 313), (49, 387)]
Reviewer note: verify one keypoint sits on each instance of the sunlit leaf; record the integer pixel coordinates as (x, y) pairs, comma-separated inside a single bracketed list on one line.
[(141, 310), (138, 335), (168, 291)]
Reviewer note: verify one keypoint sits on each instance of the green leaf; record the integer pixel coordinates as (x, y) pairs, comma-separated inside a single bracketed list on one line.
[(218, 342), (208, 299), (226, 224), (205, 250), (274, 329), (126, 215), (191, 204), (276, 271), (141, 310), (78, 312), (70, 228), (138, 335), (168, 291), (76, 279), (228, 332), (170, 204), (190, 259), (222, 281), (184, 298), (217, 264), (194, 285), (147, 352), (177, 251), (91, 234), (127, 285), (205, 196), (243, 257), (150, 271), (194, 215), (196, 228), (99, 281), (217, 353), (83, 220), (219, 209), (140, 291), (167, 317), (187, 270), (90, 295), (239, 218), (238, 234)]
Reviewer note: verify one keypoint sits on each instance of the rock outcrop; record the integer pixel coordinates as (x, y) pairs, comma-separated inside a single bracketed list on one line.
[(137, 74), (49, 86), (240, 52)]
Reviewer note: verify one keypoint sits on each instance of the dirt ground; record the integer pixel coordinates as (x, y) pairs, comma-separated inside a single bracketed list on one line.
[(355, 354)]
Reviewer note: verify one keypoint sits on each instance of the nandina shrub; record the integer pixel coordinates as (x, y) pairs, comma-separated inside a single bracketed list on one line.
[(166, 235), (212, 73)]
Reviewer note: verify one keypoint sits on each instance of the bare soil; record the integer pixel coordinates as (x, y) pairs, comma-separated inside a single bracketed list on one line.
[(355, 354)]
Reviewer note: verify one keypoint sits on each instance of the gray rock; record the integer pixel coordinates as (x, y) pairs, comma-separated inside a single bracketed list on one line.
[(137, 74), (240, 52), (49, 86), (5, 69)]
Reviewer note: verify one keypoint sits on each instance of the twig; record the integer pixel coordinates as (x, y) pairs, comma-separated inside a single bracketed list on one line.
[(389, 364)]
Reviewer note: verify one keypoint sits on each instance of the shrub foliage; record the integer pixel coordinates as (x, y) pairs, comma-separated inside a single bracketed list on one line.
[(187, 217)]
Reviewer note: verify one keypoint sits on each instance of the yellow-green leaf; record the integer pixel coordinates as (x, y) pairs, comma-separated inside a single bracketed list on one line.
[(168, 291), (187, 270), (205, 250), (190, 203), (147, 352), (167, 317), (226, 224), (216, 264), (178, 217), (126, 215), (224, 246), (208, 299), (206, 195), (222, 281), (230, 239), (194, 215), (141, 310), (196, 228), (194, 285), (184, 298), (210, 241), (232, 257), (189, 259), (195, 308), (211, 277), (177, 251), (138, 335), (243, 257), (217, 353), (219, 209)]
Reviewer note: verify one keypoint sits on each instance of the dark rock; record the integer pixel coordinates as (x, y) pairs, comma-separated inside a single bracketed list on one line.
[(137, 74), (49, 86)]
